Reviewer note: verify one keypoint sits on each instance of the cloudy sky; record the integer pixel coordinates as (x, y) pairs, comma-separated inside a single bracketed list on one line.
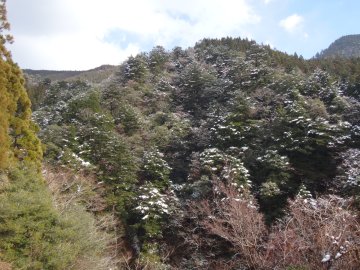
[(83, 34)]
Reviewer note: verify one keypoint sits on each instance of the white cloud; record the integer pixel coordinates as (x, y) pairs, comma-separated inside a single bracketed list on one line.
[(68, 34), (70, 51), (292, 23)]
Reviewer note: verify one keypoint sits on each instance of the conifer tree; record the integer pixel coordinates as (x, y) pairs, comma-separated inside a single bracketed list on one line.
[(18, 139)]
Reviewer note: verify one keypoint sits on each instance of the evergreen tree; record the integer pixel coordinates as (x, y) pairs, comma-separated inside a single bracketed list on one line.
[(17, 131)]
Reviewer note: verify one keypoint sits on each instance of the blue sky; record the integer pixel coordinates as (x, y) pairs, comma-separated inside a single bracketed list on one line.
[(83, 34)]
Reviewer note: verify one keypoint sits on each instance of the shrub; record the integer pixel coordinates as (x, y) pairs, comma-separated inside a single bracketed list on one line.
[(316, 234), (33, 235)]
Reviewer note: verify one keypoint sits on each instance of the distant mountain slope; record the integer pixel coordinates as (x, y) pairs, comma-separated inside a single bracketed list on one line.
[(93, 75), (346, 46)]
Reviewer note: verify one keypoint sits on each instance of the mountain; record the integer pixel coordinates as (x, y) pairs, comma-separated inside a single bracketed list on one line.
[(210, 157), (345, 47), (93, 75)]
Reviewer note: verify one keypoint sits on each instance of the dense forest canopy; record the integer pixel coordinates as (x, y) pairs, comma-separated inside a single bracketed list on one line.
[(173, 135), (225, 155)]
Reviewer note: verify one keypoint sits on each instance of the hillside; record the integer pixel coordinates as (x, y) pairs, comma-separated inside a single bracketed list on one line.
[(93, 75), (202, 155), (345, 47), (226, 155)]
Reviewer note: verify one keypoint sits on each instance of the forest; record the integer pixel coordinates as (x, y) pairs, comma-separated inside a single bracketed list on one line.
[(224, 155)]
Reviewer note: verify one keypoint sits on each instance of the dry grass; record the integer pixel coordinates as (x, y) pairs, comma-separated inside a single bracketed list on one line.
[(68, 187), (5, 266), (77, 194)]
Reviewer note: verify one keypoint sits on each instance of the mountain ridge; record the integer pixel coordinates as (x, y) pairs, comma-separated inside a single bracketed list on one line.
[(71, 75), (347, 46)]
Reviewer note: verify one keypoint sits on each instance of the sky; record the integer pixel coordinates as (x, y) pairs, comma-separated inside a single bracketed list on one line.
[(84, 34)]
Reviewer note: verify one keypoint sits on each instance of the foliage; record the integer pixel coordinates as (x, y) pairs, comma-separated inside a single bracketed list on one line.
[(169, 130), (136, 68), (17, 132), (33, 233), (155, 169), (157, 59)]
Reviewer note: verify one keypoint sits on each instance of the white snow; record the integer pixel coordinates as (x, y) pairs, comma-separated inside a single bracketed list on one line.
[(326, 258)]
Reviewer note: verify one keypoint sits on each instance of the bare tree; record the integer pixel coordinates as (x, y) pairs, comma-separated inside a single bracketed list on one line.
[(316, 234), (235, 218)]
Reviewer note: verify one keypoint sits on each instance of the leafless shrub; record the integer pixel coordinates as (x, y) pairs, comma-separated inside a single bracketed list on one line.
[(235, 218), (68, 187), (316, 234), (77, 196)]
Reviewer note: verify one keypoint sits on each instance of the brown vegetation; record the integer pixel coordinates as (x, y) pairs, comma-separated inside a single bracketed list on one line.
[(316, 234), (73, 194)]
